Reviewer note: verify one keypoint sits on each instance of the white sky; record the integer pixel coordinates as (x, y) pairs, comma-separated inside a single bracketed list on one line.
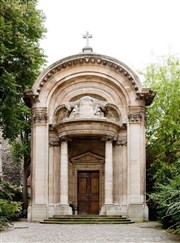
[(134, 31)]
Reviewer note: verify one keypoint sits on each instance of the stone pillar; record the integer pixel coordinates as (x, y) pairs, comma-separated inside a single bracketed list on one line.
[(108, 171), (108, 208), (39, 188), (136, 164), (121, 171), (53, 172), (64, 172), (64, 208)]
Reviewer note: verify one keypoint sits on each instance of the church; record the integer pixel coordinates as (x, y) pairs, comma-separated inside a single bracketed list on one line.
[(88, 139)]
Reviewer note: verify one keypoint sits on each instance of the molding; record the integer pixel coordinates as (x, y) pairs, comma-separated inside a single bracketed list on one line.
[(147, 95), (85, 59)]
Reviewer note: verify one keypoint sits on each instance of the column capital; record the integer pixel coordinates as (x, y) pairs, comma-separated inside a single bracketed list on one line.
[(39, 115), (135, 117), (121, 142), (64, 138), (109, 138), (54, 143)]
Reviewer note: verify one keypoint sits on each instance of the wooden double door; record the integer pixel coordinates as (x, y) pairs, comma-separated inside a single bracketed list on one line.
[(88, 192)]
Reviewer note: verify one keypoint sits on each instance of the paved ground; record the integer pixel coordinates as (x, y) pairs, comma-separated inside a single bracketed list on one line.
[(36, 233)]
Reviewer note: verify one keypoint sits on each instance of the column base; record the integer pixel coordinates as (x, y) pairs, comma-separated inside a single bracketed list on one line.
[(110, 209), (138, 212), (37, 212), (63, 210)]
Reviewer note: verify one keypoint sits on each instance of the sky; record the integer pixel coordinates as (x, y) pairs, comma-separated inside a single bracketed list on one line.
[(136, 32)]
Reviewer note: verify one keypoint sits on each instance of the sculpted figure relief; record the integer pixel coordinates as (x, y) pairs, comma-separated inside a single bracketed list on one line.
[(75, 112), (88, 107)]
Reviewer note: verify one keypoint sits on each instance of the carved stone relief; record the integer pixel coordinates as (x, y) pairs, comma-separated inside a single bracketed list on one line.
[(87, 107)]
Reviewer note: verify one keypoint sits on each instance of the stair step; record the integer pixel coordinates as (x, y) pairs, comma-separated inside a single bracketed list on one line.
[(87, 219), (84, 222)]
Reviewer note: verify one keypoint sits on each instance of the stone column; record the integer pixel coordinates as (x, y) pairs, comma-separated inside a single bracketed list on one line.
[(64, 172), (53, 172), (64, 208), (121, 172), (108, 171), (108, 208)]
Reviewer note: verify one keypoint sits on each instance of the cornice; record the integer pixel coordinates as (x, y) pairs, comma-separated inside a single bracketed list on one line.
[(85, 59), (146, 95)]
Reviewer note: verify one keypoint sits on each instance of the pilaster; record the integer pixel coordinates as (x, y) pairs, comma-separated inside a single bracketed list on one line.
[(136, 163), (39, 156)]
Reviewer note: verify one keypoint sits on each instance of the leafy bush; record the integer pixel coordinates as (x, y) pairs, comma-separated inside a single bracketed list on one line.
[(167, 201), (10, 203), (8, 211), (9, 191)]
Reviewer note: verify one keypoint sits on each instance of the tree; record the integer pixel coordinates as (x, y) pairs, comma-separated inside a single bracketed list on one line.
[(163, 133), (21, 28)]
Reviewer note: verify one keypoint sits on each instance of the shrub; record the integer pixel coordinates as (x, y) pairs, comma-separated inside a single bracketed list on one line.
[(8, 211), (167, 199)]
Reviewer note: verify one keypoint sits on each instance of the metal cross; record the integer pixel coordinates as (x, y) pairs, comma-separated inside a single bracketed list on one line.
[(87, 36)]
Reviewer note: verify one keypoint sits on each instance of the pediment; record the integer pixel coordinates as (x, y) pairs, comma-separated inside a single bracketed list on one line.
[(87, 157)]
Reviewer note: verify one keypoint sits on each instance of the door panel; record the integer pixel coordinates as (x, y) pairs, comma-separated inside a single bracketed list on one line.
[(88, 192), (94, 185), (82, 186)]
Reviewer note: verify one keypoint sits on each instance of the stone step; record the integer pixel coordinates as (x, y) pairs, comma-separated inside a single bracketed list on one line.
[(87, 219)]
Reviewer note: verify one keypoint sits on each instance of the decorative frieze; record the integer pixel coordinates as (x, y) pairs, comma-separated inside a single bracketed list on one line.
[(39, 116)]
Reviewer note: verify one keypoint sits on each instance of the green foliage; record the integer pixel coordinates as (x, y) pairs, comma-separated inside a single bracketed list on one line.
[(167, 198), (163, 140), (163, 120), (20, 60), (9, 209), (9, 192), (20, 148), (10, 203)]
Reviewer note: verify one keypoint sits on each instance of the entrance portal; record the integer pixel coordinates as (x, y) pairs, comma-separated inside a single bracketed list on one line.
[(88, 192)]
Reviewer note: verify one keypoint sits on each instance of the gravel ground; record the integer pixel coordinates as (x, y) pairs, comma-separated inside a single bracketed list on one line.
[(36, 233)]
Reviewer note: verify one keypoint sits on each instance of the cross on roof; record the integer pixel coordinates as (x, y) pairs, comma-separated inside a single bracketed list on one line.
[(87, 36)]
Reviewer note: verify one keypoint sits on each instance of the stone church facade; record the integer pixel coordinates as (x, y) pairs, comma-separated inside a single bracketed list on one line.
[(88, 139)]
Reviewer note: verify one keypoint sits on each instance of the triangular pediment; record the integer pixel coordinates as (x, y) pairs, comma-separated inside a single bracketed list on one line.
[(88, 157)]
